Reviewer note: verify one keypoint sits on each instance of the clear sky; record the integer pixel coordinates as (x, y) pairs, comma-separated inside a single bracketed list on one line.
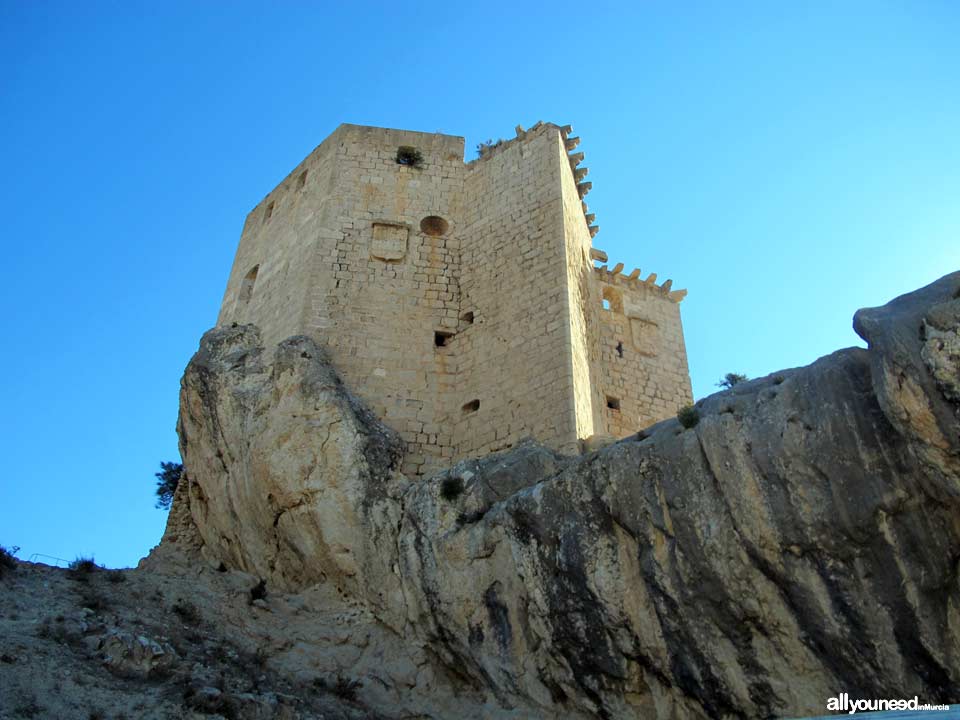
[(785, 162)]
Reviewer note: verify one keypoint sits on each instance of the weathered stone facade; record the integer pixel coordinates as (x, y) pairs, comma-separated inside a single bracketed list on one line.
[(460, 300)]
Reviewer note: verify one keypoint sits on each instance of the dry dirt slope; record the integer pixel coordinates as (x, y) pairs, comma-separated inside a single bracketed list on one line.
[(112, 644)]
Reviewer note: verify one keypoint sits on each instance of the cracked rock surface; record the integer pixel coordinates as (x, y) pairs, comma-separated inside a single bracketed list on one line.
[(801, 540)]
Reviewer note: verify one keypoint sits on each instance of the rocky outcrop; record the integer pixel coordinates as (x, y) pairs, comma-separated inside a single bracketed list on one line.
[(801, 540), (290, 477)]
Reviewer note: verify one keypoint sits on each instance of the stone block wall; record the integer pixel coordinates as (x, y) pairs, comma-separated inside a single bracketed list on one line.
[(389, 283), (642, 373), (459, 300), (274, 270), (513, 358)]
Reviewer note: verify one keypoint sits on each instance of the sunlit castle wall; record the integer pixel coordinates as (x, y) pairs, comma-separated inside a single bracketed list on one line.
[(458, 300)]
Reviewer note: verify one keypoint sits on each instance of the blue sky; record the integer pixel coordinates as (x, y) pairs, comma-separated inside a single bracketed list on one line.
[(785, 162)]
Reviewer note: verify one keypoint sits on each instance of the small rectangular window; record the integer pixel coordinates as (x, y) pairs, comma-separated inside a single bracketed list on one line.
[(442, 338), (613, 403), (471, 407)]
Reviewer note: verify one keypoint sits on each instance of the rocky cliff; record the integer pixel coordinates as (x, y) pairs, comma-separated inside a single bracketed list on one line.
[(801, 540)]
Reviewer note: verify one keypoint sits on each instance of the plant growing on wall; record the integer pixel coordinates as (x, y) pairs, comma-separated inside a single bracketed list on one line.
[(484, 147), (409, 156)]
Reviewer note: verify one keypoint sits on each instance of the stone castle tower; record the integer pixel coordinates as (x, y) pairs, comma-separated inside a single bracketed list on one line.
[(461, 301)]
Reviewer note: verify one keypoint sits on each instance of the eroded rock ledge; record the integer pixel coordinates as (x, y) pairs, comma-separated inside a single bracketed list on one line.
[(802, 540)]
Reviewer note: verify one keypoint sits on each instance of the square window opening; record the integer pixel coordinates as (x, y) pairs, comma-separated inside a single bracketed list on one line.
[(441, 338), (613, 403)]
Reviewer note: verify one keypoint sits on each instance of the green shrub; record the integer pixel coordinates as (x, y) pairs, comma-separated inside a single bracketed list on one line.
[(187, 612), (731, 379), (410, 156), (451, 488), (84, 564), (688, 416), (167, 480), (343, 687), (346, 688), (484, 147), (81, 568), (258, 592), (7, 559)]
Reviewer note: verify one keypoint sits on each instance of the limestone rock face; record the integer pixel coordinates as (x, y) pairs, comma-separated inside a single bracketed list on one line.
[(289, 477), (800, 541)]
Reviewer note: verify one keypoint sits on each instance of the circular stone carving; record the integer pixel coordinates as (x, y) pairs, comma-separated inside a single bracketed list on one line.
[(434, 225)]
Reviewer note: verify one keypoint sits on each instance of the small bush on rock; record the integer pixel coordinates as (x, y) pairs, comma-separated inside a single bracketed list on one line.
[(731, 379), (7, 560), (451, 488), (167, 480), (258, 592), (81, 568), (343, 687), (187, 612), (688, 416)]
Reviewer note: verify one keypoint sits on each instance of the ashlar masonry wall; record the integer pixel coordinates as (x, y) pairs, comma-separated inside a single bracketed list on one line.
[(274, 268), (459, 300), (394, 281), (641, 371), (514, 357)]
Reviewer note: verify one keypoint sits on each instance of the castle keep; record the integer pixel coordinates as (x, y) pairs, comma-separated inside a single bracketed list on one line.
[(461, 301)]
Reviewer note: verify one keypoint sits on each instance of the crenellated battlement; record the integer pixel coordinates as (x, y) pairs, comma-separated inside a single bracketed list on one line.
[(615, 275)]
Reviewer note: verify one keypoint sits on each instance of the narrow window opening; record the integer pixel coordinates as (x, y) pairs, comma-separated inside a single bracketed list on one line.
[(246, 285), (442, 338), (268, 213), (302, 180), (613, 403), (467, 317), (619, 349), (612, 300), (471, 407)]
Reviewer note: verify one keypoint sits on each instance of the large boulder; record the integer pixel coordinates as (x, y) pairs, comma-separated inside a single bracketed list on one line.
[(288, 476), (800, 541)]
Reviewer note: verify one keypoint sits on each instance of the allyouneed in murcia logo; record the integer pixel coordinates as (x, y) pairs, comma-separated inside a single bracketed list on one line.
[(844, 703)]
